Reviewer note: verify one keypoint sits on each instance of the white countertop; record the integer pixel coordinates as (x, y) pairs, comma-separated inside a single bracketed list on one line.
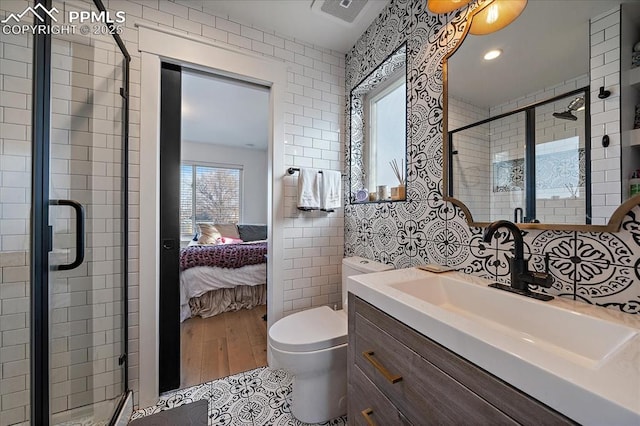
[(607, 393)]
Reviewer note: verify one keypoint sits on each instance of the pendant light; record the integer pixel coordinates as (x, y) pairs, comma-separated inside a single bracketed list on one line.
[(496, 15), (445, 6)]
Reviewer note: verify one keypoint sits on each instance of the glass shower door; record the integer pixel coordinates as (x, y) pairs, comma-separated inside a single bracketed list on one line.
[(87, 222)]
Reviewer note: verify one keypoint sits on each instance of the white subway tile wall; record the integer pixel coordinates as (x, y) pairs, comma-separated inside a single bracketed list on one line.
[(314, 137), (605, 115), (473, 159), (508, 139), (15, 193)]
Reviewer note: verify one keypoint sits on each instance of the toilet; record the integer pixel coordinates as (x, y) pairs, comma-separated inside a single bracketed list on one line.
[(312, 345)]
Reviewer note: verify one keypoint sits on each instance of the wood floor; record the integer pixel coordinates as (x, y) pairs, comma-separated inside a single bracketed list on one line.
[(224, 344)]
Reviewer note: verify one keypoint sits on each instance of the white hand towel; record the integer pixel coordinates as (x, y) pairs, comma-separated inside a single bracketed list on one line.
[(330, 190), (308, 189)]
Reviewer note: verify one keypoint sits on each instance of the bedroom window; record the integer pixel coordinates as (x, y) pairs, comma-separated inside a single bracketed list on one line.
[(208, 194)]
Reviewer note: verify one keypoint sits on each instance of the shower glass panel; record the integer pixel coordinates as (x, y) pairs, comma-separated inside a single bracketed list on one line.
[(86, 213), (488, 167), (15, 194), (561, 184)]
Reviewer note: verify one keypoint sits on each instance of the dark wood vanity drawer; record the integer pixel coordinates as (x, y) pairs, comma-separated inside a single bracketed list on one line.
[(422, 391), (436, 380), (367, 405)]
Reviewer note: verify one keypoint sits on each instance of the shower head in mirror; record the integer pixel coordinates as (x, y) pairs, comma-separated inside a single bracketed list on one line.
[(565, 115), (574, 105)]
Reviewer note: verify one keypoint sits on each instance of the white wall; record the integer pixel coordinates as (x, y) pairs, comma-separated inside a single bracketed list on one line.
[(254, 174)]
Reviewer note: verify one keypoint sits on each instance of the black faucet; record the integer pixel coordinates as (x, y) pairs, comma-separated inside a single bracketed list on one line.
[(521, 277), (517, 218)]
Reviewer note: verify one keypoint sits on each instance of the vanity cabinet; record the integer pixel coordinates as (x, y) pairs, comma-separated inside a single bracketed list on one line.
[(398, 376)]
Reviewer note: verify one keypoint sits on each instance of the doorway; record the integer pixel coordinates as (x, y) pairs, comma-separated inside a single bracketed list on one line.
[(158, 45), (213, 226)]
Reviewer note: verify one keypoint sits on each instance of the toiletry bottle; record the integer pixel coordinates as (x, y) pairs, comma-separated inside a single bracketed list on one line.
[(634, 184)]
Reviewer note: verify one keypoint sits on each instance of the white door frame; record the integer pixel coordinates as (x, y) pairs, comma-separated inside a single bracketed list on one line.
[(157, 45)]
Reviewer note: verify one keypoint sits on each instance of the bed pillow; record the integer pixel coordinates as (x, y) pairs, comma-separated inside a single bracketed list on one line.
[(209, 233), (252, 232), (229, 230)]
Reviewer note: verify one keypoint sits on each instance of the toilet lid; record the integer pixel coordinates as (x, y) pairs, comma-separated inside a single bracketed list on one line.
[(310, 330)]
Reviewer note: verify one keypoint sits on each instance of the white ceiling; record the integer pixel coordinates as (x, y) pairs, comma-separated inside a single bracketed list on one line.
[(546, 45), (294, 18), (223, 111)]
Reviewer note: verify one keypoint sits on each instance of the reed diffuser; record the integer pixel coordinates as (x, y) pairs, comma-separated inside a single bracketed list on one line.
[(398, 192)]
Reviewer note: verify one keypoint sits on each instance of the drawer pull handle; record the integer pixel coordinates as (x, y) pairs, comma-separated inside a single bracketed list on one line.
[(390, 377), (366, 414)]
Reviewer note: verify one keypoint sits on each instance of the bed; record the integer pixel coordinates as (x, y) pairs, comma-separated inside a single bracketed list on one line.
[(222, 278)]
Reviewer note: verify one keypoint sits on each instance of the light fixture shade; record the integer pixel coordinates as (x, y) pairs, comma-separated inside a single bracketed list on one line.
[(496, 15), (445, 6)]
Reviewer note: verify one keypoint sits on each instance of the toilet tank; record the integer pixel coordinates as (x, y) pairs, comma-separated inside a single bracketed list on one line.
[(358, 265)]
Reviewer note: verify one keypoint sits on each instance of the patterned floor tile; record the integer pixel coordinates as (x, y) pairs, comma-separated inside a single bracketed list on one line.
[(257, 397)]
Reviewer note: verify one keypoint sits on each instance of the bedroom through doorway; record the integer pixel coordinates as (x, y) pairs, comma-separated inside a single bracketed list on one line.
[(221, 190)]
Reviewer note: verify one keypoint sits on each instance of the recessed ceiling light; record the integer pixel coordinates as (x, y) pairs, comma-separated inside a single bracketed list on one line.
[(492, 54)]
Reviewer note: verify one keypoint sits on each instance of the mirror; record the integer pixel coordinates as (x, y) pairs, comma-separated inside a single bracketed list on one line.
[(528, 165), (527, 94), (378, 111)]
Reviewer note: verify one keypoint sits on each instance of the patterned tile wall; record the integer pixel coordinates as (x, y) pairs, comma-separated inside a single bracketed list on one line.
[(597, 268)]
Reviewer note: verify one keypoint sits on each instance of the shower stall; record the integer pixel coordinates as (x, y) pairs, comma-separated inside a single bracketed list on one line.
[(63, 217)]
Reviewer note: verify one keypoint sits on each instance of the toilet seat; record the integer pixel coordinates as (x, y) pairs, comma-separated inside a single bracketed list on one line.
[(310, 330)]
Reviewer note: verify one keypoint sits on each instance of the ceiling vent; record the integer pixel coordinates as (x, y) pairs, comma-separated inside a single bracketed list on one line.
[(345, 11)]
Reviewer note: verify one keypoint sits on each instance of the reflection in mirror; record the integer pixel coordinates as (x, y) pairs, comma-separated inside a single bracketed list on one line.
[(378, 132), (527, 166), (545, 56)]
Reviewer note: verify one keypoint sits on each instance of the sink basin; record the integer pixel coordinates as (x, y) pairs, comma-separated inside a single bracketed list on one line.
[(541, 326)]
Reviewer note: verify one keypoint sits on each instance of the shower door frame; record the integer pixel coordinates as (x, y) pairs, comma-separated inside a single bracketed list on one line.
[(41, 232)]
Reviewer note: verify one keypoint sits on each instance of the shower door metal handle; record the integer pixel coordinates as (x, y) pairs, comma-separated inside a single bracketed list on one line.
[(79, 209)]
